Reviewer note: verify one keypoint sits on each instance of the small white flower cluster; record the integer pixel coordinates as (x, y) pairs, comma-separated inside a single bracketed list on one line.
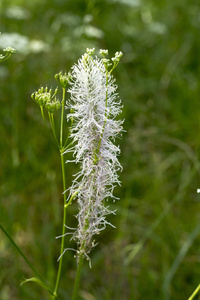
[(103, 52), (7, 53), (117, 57), (94, 106), (9, 50)]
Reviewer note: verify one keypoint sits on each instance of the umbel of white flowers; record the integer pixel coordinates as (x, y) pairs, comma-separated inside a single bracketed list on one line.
[(94, 106)]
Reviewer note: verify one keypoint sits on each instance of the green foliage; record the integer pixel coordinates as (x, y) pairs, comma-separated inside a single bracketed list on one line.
[(156, 241), (39, 282)]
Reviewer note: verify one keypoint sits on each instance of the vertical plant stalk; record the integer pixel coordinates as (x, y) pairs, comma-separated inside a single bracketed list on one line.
[(63, 230), (62, 118), (77, 279), (42, 113), (51, 120), (65, 198)]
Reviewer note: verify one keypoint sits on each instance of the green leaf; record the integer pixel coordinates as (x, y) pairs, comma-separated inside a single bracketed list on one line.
[(39, 282), (21, 253)]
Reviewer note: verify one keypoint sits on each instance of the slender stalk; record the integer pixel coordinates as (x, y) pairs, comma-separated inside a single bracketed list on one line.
[(25, 258), (71, 198), (194, 293), (42, 113), (77, 279), (69, 131), (51, 120), (6, 57), (65, 198), (63, 230), (62, 117)]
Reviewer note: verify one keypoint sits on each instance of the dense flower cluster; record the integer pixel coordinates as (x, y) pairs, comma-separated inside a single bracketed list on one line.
[(45, 97), (94, 105)]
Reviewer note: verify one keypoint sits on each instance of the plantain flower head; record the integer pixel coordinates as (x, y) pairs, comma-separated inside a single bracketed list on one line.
[(94, 106)]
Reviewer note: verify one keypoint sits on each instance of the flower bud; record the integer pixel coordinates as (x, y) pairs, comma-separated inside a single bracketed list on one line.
[(43, 96), (106, 63), (90, 51), (117, 57), (63, 79), (53, 106), (103, 52)]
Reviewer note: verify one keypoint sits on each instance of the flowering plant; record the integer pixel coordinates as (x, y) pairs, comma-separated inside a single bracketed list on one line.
[(91, 114)]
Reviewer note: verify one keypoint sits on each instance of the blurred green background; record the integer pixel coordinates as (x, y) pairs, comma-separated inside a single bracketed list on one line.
[(155, 251)]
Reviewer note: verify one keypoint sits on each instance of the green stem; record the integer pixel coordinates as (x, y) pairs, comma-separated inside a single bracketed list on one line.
[(65, 197), (63, 229), (194, 293), (42, 113), (62, 117), (66, 147), (78, 276), (51, 119), (69, 132), (71, 198), (24, 257), (114, 66), (7, 56)]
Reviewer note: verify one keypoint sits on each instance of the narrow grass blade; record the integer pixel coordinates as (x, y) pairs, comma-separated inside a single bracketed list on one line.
[(180, 256), (25, 258), (194, 293), (39, 282)]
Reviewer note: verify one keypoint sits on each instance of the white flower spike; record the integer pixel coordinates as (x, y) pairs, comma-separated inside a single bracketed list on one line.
[(94, 106)]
